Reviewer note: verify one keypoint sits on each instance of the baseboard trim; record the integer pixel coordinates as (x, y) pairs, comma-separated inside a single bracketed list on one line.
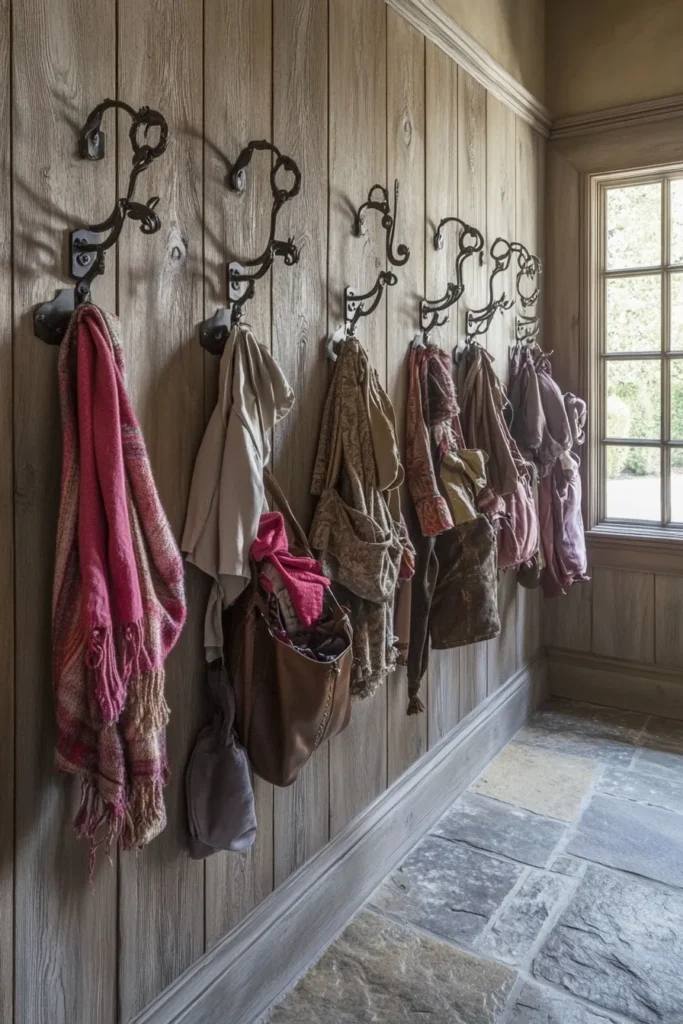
[(241, 976), (631, 685), (437, 26)]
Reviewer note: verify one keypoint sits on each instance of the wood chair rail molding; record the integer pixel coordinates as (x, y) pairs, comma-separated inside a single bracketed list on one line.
[(437, 26)]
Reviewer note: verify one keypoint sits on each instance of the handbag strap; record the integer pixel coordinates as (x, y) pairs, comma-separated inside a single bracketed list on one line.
[(249, 641), (276, 493)]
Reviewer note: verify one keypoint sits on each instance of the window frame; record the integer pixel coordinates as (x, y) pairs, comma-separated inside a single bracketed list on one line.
[(595, 279)]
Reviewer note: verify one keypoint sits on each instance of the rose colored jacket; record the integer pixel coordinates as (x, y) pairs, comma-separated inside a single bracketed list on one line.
[(549, 424)]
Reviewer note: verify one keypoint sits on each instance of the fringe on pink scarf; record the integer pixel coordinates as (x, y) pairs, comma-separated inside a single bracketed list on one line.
[(118, 596)]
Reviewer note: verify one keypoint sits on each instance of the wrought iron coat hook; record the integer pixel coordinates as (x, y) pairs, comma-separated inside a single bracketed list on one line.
[(478, 321), (470, 242), (361, 305), (529, 268), (86, 246), (213, 333), (402, 255)]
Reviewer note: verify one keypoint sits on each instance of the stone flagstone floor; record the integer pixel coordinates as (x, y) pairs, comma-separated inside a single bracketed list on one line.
[(551, 892)]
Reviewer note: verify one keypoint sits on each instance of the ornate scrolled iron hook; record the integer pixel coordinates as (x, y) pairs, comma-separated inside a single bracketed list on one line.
[(360, 305), (478, 321), (529, 268), (470, 242), (86, 246), (382, 205), (213, 333)]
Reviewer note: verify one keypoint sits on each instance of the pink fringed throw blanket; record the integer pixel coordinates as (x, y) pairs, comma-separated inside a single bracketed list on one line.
[(118, 597)]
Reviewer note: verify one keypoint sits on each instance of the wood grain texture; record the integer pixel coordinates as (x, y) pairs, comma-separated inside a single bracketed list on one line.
[(238, 108), (528, 203), (500, 222), (358, 97), (441, 189), (668, 620), (160, 303), (568, 620), (615, 683), (301, 812), (472, 188), (561, 279), (65, 937), (502, 650), (6, 540), (624, 614), (357, 112), (407, 735)]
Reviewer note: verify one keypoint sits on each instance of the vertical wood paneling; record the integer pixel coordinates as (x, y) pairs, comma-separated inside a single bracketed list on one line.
[(527, 231), (407, 736), (441, 180), (238, 108), (624, 614), (65, 935), (340, 81), (160, 302), (500, 222), (472, 188), (6, 539), (358, 160), (561, 277), (568, 620), (668, 620), (301, 811)]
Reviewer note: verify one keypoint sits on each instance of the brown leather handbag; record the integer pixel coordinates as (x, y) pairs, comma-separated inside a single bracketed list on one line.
[(287, 703)]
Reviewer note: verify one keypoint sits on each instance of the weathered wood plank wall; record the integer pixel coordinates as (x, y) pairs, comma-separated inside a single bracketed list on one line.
[(356, 96)]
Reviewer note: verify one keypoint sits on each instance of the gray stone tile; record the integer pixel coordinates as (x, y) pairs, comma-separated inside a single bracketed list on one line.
[(500, 828), (658, 762), (536, 1005), (606, 735), (541, 780), (661, 789), (562, 715), (448, 888), (380, 972), (571, 866), (634, 837), (619, 945), (515, 930)]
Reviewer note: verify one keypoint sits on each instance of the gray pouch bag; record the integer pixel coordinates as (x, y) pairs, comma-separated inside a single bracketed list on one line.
[(220, 797)]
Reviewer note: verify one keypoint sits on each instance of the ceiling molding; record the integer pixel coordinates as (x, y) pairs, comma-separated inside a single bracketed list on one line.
[(644, 112), (437, 26)]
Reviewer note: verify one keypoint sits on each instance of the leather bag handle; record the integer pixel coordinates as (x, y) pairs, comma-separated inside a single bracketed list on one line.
[(275, 491)]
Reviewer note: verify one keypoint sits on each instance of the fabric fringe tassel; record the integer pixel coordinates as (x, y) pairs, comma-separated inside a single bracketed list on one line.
[(146, 814), (93, 812), (114, 657), (147, 707)]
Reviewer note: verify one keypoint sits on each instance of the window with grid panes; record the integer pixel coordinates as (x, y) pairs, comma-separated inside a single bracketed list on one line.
[(640, 346)]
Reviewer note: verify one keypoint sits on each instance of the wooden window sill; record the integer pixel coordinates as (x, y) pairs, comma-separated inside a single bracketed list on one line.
[(638, 548)]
